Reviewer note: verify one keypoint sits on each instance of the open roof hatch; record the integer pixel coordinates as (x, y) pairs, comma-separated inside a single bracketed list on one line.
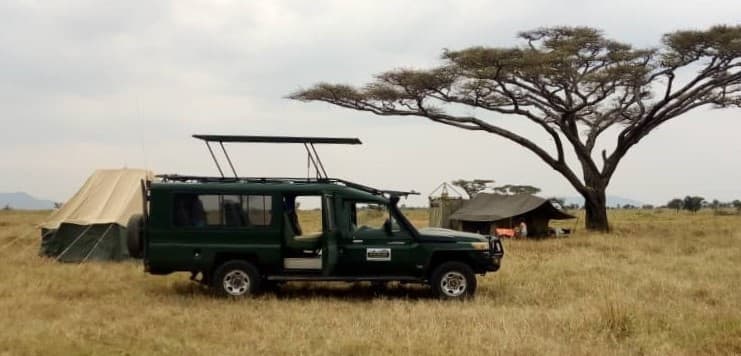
[(308, 142), (312, 160)]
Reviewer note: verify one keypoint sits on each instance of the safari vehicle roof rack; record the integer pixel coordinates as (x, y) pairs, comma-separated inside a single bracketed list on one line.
[(279, 139), (308, 142), (205, 179)]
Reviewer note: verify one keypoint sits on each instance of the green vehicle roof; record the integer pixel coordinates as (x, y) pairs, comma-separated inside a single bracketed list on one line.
[(269, 187)]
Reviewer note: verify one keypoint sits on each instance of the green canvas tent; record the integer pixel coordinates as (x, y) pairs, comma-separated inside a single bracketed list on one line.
[(486, 211), (92, 224)]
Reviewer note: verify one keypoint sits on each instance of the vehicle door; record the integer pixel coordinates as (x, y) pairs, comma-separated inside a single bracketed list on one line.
[(374, 244), (309, 229)]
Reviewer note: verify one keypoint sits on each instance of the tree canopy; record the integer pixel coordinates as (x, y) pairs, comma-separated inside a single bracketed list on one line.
[(693, 203), (737, 204), (675, 204), (475, 186), (573, 83), (513, 189)]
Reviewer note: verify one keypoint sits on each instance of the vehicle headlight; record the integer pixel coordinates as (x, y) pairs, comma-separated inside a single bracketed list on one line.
[(496, 246), (480, 245)]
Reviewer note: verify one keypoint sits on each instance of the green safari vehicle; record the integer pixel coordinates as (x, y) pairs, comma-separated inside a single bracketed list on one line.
[(243, 235)]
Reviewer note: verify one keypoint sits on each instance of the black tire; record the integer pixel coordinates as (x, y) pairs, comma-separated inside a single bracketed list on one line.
[(453, 281), (135, 236), (236, 279)]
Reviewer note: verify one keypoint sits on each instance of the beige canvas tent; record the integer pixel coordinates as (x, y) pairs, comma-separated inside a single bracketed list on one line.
[(92, 224)]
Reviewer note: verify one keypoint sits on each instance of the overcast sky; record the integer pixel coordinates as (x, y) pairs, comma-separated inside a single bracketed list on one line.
[(90, 84)]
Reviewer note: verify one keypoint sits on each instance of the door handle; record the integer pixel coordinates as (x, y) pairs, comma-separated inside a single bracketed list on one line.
[(357, 241), (397, 243)]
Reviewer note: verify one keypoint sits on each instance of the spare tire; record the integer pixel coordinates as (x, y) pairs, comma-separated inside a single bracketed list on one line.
[(135, 236)]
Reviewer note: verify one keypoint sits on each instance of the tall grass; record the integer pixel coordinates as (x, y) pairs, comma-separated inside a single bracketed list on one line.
[(660, 283)]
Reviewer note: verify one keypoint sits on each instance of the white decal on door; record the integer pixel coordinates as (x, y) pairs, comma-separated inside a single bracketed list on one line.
[(378, 254)]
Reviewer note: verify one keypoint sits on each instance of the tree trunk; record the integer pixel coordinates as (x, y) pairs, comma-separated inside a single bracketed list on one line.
[(595, 206)]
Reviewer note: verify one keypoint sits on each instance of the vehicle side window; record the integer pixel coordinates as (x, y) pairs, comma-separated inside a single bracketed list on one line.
[(371, 216), (203, 210), (304, 213), (211, 206), (190, 210), (258, 209)]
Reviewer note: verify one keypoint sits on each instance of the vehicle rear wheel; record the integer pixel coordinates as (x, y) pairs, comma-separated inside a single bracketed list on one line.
[(236, 279), (135, 236), (453, 280)]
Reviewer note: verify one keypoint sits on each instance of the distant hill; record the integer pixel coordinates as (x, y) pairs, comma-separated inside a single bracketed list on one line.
[(24, 201), (612, 201)]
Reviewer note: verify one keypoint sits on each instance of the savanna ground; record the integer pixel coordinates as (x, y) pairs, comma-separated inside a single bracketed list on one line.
[(661, 283)]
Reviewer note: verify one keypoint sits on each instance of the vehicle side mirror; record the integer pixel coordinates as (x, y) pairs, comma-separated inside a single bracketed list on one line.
[(387, 227)]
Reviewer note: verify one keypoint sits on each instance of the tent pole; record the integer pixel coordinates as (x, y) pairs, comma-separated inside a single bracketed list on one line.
[(453, 189), (74, 242), (435, 190), (573, 230), (96, 243)]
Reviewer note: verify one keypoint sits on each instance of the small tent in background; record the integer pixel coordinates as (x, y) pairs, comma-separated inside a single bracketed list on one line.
[(486, 211), (92, 224), (444, 205)]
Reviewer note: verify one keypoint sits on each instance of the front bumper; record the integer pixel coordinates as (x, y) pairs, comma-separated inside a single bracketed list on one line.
[(496, 253)]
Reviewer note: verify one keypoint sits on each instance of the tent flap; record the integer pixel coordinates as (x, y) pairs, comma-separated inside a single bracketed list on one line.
[(80, 243)]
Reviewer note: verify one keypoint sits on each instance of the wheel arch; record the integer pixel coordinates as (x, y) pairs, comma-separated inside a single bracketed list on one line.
[(223, 257), (440, 257)]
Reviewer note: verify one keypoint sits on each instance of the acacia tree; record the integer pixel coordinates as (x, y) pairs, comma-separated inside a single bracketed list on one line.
[(675, 204), (513, 189), (692, 203), (474, 186), (737, 204), (571, 82)]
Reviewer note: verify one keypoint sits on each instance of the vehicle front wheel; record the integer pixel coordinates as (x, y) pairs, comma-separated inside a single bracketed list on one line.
[(453, 280), (236, 279)]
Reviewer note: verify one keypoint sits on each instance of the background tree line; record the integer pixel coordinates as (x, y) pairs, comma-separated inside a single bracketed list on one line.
[(695, 203)]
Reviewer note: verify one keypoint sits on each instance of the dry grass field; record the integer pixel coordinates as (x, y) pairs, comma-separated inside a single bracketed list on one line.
[(662, 283)]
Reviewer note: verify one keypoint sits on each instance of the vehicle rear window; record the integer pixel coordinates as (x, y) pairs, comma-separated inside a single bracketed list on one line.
[(201, 210)]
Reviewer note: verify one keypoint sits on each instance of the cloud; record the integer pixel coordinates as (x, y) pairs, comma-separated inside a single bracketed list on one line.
[(89, 84)]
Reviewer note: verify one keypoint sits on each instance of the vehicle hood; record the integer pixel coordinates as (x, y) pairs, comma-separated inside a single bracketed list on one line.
[(447, 235)]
